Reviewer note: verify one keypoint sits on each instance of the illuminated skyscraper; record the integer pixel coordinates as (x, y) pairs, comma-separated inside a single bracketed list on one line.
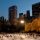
[(12, 14)]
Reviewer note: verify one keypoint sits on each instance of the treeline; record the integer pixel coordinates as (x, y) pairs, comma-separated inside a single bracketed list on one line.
[(34, 26), (11, 28)]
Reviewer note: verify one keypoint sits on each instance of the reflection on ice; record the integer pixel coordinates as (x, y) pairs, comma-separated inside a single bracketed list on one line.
[(19, 36)]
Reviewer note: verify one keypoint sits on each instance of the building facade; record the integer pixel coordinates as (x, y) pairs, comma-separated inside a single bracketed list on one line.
[(21, 16), (36, 10), (12, 14), (28, 13)]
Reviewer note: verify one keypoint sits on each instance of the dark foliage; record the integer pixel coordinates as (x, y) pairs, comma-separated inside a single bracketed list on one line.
[(11, 28)]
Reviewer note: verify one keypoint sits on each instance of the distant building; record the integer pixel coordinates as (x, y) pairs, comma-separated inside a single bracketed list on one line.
[(27, 16), (28, 13), (2, 18), (1, 21), (21, 16), (12, 14), (36, 10)]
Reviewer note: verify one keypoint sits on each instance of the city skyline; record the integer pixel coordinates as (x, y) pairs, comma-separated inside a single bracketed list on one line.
[(22, 6)]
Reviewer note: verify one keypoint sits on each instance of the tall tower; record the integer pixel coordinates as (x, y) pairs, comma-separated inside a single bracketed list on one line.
[(36, 10), (28, 13), (21, 17), (12, 14)]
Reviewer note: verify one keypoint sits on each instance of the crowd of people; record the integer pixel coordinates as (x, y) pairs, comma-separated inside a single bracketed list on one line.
[(19, 36)]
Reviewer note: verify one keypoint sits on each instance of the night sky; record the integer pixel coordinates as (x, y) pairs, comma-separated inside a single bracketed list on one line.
[(22, 6)]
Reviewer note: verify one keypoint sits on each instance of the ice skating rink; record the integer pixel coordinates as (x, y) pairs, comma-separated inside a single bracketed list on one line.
[(19, 36)]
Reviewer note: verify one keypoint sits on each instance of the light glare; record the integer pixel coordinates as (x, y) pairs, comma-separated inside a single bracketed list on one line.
[(22, 21)]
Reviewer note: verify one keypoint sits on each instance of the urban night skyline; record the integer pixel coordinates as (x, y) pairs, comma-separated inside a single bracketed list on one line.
[(19, 19), (22, 6)]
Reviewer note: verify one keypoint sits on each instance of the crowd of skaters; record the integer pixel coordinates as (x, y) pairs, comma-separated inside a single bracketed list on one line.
[(20, 36)]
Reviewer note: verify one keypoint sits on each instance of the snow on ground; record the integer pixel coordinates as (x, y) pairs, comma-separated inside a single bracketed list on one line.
[(19, 36)]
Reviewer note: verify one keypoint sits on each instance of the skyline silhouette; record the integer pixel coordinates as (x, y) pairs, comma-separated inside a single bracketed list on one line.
[(22, 6)]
